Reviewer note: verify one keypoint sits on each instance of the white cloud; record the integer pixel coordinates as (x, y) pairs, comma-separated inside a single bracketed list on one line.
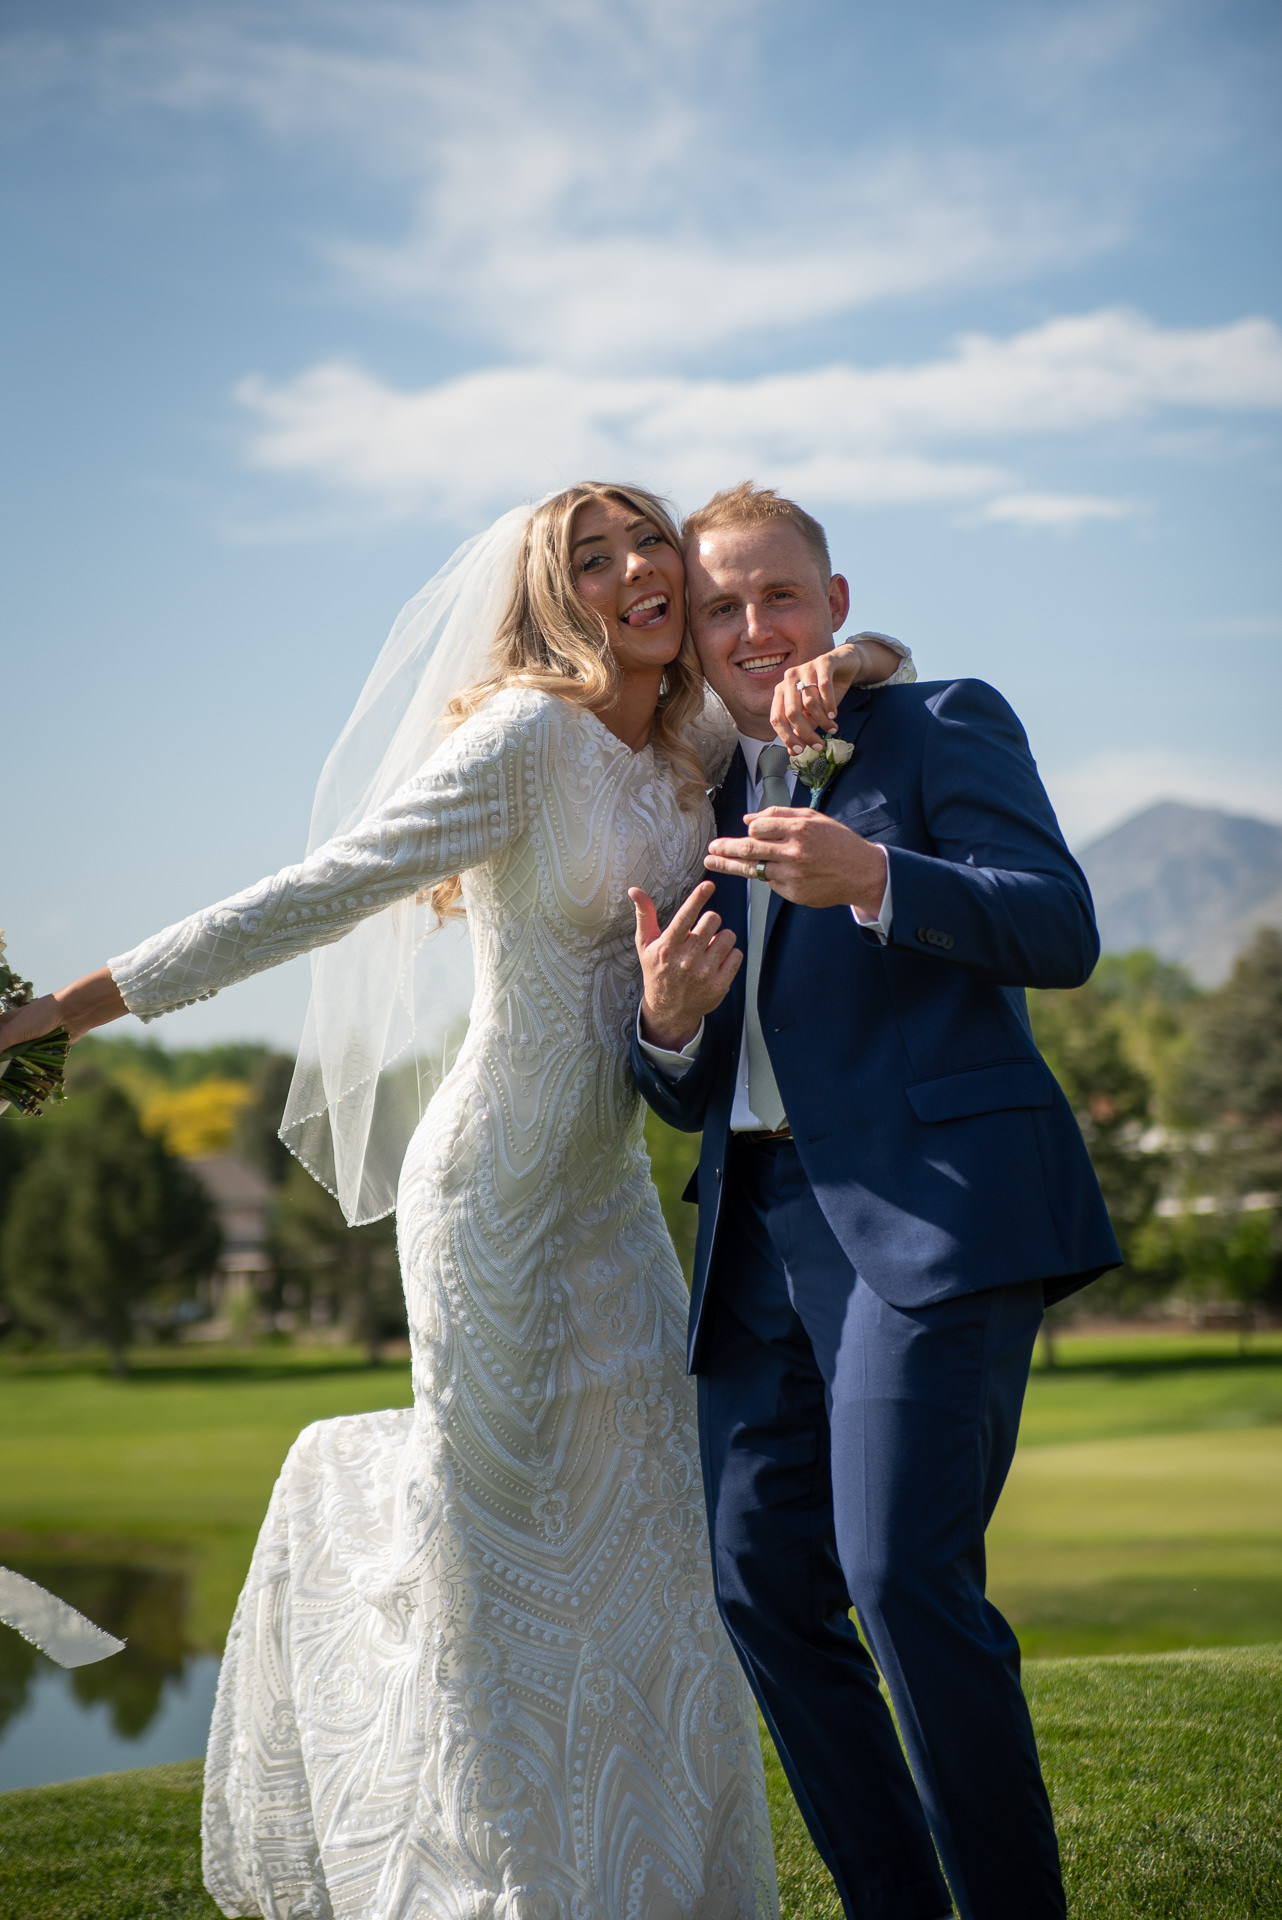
[(584, 184), (488, 438), (858, 436), (1091, 796), (591, 185), (1060, 512)]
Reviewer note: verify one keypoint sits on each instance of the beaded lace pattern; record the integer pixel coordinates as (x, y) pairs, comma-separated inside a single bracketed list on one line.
[(476, 1672)]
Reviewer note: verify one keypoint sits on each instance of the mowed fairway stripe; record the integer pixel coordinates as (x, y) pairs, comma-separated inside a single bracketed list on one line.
[(1142, 1544), (1181, 1486)]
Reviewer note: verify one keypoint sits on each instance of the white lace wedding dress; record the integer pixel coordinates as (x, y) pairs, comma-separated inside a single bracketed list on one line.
[(476, 1672)]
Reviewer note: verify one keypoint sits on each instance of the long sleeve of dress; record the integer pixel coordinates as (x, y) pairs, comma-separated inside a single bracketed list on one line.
[(905, 673), (470, 801)]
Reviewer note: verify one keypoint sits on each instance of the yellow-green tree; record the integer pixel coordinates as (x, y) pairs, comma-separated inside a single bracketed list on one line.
[(197, 1121)]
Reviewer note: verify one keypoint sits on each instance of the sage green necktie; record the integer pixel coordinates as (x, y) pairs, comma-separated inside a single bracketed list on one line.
[(763, 1092)]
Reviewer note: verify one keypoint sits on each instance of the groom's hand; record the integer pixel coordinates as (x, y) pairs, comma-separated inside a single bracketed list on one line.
[(687, 966), (807, 858)]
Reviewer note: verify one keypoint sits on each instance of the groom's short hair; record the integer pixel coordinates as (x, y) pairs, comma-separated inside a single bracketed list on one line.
[(749, 505)]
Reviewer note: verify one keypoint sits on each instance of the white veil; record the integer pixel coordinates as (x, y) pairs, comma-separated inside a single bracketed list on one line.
[(380, 997)]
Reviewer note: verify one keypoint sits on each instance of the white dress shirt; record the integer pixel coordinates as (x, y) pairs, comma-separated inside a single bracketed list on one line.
[(674, 1065)]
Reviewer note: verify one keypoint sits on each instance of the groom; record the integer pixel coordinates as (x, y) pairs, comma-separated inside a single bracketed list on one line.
[(891, 1186)]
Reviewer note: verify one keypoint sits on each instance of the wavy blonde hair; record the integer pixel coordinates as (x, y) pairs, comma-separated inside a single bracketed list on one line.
[(550, 639)]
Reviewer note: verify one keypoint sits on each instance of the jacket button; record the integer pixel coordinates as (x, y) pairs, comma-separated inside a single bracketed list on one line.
[(932, 937)]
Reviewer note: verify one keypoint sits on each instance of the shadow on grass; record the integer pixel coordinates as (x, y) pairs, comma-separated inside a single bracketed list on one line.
[(1138, 1366)]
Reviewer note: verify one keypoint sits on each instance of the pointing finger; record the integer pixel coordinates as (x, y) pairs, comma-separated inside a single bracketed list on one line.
[(647, 917), (690, 909)]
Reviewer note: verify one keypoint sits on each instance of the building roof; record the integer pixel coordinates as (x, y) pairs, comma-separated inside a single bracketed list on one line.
[(230, 1181)]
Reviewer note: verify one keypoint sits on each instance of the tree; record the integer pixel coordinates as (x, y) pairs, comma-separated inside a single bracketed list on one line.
[(258, 1127), (100, 1220), (1233, 1085), (144, 1067), (1219, 1253), (19, 1138), (356, 1267), (197, 1120), (1251, 1257), (1153, 1006), (1082, 1035)]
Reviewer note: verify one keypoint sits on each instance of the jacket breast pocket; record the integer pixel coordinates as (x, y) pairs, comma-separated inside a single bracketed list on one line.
[(877, 822), (956, 1096)]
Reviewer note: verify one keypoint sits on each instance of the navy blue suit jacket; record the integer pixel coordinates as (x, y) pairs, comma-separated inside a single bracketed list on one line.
[(936, 1140)]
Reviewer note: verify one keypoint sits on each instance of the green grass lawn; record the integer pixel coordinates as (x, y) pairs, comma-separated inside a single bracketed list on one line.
[(1140, 1545), (1144, 1513), (1134, 1384), (1165, 1773), (1144, 1510)]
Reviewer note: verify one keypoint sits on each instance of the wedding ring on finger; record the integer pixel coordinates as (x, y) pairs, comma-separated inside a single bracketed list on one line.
[(761, 869)]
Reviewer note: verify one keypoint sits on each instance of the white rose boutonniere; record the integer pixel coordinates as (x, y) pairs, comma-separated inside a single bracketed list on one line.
[(815, 766)]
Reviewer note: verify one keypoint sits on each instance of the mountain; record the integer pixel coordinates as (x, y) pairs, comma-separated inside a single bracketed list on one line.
[(1192, 883)]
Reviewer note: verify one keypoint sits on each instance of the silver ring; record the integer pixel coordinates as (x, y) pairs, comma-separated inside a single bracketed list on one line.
[(761, 869)]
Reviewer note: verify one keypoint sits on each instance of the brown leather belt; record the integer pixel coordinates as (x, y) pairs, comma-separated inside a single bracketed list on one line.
[(780, 1133)]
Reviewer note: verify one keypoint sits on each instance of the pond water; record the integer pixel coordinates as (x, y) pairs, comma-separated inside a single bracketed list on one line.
[(149, 1704)]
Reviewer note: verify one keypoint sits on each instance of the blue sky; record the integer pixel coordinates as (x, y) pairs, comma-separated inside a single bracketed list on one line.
[(300, 295)]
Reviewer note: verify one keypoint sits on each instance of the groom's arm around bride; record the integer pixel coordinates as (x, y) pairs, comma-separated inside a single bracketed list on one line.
[(890, 1186)]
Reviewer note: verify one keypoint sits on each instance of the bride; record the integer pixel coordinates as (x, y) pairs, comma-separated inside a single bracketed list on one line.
[(476, 1672)]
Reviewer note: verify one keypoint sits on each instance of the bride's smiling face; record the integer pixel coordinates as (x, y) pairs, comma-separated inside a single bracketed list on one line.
[(629, 574)]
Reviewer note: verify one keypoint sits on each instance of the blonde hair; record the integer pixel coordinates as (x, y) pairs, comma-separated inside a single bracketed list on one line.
[(550, 639), (749, 505)]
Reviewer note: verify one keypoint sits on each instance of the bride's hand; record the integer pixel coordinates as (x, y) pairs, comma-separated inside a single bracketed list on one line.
[(806, 700), (687, 966), (87, 1003)]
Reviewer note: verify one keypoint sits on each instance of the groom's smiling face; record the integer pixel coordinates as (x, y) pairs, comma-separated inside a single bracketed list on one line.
[(758, 605)]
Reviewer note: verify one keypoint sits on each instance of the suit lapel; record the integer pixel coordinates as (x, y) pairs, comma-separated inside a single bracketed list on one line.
[(731, 897), (852, 716)]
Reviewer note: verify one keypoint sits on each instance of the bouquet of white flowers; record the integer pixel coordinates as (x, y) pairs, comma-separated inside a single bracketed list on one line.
[(32, 1073)]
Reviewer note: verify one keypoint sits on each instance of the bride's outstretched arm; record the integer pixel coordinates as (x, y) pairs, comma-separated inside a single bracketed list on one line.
[(87, 1003), (469, 802)]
